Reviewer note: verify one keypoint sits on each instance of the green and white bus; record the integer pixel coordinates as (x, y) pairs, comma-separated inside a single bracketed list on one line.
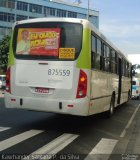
[(66, 66)]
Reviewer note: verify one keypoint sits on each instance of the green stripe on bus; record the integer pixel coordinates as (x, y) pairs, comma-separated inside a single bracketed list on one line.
[(84, 59), (11, 54)]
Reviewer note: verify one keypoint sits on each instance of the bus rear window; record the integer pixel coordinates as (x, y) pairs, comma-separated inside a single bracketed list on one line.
[(49, 40)]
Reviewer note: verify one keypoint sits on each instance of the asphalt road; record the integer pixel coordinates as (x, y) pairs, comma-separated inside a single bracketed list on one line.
[(43, 135)]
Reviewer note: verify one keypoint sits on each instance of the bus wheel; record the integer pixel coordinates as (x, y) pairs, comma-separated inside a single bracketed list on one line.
[(110, 112)]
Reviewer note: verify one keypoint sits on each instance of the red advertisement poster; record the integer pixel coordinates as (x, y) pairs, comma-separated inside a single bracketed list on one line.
[(38, 41)]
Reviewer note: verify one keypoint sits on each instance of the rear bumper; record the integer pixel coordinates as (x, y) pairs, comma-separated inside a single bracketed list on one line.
[(80, 106)]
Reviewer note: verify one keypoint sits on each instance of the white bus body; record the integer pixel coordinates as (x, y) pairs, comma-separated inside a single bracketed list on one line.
[(71, 79)]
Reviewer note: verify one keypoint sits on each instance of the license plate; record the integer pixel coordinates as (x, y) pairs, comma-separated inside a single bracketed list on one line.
[(41, 90)]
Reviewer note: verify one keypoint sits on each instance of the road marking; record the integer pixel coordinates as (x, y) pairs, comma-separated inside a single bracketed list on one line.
[(4, 129), (18, 138), (102, 150), (52, 148), (129, 122)]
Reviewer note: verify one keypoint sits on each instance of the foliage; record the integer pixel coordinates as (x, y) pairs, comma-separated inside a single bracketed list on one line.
[(4, 49)]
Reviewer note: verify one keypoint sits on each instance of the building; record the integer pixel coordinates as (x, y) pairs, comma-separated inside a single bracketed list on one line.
[(16, 10)]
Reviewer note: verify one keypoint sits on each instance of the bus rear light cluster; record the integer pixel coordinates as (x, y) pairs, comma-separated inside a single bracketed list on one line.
[(8, 85), (82, 85)]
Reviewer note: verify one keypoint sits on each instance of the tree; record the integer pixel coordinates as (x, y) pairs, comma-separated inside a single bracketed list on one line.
[(4, 50)]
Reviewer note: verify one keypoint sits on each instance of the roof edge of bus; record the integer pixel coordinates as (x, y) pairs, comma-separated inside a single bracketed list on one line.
[(52, 19)]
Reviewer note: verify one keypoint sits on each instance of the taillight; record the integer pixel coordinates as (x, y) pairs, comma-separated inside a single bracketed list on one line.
[(8, 89), (82, 85)]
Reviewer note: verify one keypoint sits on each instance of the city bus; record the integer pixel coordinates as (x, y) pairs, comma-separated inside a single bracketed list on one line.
[(136, 88), (66, 66)]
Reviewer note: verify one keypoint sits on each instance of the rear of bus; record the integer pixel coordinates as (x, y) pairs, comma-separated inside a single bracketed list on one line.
[(49, 66)]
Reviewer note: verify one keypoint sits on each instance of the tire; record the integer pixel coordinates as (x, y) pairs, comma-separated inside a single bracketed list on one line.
[(110, 112)]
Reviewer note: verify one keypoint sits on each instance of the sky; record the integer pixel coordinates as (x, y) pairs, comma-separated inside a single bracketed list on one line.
[(119, 21)]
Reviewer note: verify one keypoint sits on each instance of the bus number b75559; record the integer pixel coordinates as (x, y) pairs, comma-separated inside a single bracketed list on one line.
[(58, 72)]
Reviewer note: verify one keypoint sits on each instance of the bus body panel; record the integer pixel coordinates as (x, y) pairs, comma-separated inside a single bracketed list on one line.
[(57, 100), (29, 76), (126, 85), (38, 103), (102, 86)]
